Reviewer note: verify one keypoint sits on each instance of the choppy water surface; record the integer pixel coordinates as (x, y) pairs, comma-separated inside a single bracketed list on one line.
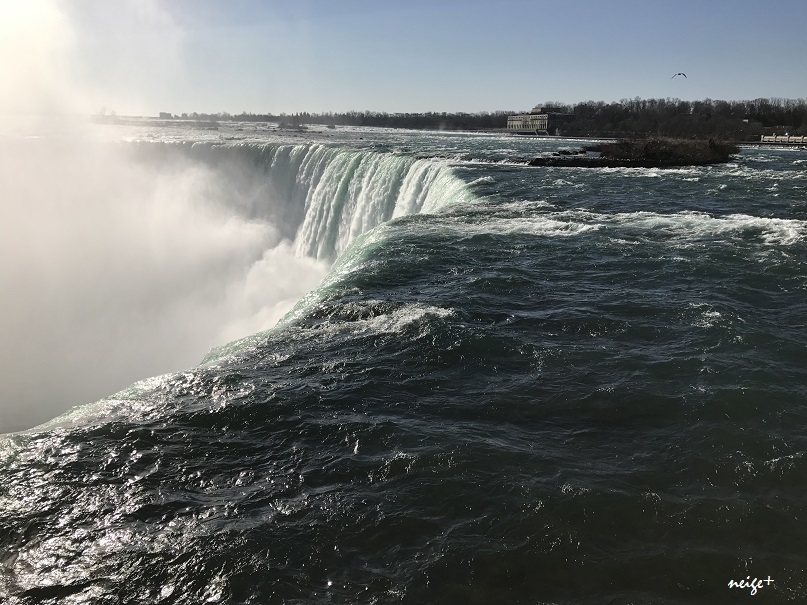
[(515, 385)]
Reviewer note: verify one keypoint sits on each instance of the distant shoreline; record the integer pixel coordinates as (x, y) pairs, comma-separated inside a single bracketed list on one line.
[(280, 125)]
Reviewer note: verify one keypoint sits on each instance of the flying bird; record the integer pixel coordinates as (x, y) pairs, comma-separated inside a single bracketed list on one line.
[(680, 73)]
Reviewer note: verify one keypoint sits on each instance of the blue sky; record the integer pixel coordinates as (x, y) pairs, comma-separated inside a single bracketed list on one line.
[(145, 56)]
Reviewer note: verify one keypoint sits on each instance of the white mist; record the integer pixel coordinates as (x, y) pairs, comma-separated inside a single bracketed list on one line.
[(113, 270)]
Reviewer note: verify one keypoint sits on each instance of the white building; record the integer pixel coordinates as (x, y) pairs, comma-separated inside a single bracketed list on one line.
[(541, 120), (534, 122)]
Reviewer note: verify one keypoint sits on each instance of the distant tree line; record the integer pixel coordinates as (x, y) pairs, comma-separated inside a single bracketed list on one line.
[(431, 120), (738, 120)]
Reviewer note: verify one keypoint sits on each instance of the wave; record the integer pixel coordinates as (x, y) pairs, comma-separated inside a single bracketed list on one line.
[(541, 218), (694, 225)]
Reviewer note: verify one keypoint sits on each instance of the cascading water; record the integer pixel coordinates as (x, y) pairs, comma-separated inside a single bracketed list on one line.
[(326, 196)]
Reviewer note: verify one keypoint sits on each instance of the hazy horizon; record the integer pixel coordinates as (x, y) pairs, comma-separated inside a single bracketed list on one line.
[(178, 113)]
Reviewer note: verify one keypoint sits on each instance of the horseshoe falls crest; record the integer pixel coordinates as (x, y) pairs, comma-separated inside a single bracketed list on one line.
[(402, 368)]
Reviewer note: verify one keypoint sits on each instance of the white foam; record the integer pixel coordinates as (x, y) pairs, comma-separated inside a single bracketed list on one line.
[(683, 226), (394, 322), (401, 319), (706, 316), (546, 227), (482, 179), (694, 225)]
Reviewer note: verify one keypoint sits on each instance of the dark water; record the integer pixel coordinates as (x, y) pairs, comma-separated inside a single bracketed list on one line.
[(561, 386)]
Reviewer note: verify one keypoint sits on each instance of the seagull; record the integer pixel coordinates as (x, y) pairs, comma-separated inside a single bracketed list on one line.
[(680, 73)]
